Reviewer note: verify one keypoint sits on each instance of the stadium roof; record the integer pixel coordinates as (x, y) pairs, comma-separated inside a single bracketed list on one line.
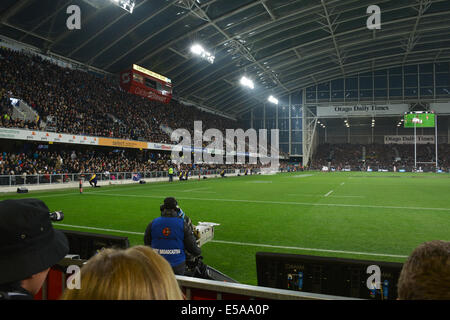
[(283, 45)]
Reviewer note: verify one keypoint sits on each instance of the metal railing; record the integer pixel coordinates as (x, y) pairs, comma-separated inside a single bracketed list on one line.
[(62, 178)]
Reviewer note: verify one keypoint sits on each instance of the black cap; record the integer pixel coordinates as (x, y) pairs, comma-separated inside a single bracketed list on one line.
[(170, 203), (28, 242)]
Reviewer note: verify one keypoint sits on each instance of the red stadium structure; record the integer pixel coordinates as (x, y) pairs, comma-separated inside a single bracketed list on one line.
[(146, 83)]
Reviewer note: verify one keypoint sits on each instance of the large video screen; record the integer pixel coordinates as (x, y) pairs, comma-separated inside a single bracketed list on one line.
[(420, 120)]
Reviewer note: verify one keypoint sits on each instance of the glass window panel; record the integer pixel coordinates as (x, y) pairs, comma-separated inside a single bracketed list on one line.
[(310, 96), (284, 136), (395, 81), (258, 113), (296, 111), (297, 149), (381, 93), (296, 136), (411, 69), (366, 94), (411, 93), (337, 85), (351, 84), (271, 124), (324, 95), (283, 124), (443, 92), (296, 124), (258, 124), (426, 80), (426, 68), (442, 67), (283, 112), (311, 89), (337, 95), (271, 111), (365, 83), (296, 98), (395, 93), (380, 82), (411, 81), (284, 148), (351, 94), (442, 79), (426, 92), (324, 86)]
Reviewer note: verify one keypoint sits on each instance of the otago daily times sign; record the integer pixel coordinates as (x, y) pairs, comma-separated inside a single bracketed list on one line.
[(409, 139), (362, 110)]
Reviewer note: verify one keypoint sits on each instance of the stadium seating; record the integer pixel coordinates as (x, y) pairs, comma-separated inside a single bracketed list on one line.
[(379, 157), (77, 102)]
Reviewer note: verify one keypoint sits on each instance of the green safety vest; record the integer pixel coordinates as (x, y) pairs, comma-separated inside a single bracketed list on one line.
[(171, 171)]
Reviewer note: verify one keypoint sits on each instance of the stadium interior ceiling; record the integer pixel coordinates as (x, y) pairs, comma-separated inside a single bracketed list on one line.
[(285, 46)]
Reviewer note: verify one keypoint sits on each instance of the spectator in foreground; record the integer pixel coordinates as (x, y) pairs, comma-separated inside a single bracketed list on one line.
[(136, 273), (159, 266), (29, 246), (426, 273)]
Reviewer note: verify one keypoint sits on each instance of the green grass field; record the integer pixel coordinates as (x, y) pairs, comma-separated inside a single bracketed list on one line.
[(370, 216)]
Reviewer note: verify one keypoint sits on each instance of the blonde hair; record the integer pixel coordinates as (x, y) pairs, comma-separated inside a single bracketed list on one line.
[(137, 273)]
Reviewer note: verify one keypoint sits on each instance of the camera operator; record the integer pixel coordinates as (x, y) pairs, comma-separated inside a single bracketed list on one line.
[(172, 236), (29, 246)]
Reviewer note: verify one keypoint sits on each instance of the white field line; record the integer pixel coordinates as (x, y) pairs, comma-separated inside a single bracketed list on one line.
[(245, 244), (342, 183), (76, 190), (302, 176), (347, 196), (275, 202), (319, 195), (196, 190), (209, 192), (329, 193)]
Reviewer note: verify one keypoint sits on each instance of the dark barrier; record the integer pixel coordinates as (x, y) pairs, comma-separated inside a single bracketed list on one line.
[(193, 288), (330, 276), (87, 244)]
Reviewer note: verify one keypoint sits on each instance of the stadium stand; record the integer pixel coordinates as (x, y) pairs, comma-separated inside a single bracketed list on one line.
[(378, 157), (77, 102)]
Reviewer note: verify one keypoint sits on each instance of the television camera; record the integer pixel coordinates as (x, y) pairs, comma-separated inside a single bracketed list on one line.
[(204, 232)]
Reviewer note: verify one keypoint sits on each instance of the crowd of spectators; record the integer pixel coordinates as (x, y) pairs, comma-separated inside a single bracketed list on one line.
[(40, 160), (380, 156), (77, 102)]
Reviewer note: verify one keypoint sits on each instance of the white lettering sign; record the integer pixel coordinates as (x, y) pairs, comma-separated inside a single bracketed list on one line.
[(426, 139)]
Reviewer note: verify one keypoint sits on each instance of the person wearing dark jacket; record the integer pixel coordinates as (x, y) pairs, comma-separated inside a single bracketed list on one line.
[(172, 236), (29, 246)]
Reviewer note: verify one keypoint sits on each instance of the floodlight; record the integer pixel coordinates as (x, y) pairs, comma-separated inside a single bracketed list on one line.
[(127, 5), (273, 100), (197, 49), (200, 51), (247, 82)]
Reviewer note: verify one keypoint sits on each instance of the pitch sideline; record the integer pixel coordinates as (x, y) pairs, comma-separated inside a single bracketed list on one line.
[(246, 244)]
